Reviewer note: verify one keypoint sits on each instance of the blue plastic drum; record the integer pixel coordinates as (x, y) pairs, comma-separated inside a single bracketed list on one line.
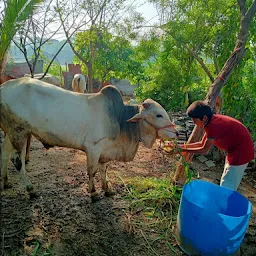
[(212, 220)]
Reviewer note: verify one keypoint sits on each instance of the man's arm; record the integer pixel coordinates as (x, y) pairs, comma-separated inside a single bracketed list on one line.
[(195, 144), (202, 147)]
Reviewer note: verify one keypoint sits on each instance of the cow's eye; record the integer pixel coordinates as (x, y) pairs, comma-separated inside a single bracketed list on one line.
[(159, 116)]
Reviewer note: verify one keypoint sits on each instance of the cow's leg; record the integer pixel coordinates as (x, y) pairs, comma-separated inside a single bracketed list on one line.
[(25, 179), (16, 161), (16, 157), (6, 152), (92, 168), (28, 148), (91, 172), (103, 171)]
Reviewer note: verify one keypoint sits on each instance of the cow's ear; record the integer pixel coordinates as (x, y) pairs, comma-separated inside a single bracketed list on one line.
[(135, 118), (146, 105)]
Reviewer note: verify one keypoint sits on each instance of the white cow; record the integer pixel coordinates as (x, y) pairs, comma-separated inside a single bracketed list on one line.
[(48, 78), (104, 128), (79, 83)]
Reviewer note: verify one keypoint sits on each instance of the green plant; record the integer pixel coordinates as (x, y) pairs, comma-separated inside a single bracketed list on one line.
[(239, 96), (36, 243), (14, 15), (154, 204), (55, 69)]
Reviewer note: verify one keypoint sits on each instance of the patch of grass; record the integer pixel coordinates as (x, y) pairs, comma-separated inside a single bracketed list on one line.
[(36, 243), (41, 251), (153, 208)]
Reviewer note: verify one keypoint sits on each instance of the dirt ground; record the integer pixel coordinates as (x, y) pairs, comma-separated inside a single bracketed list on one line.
[(63, 221)]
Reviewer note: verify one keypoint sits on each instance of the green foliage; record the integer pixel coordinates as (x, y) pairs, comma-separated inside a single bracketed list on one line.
[(55, 69), (148, 48), (113, 56), (239, 96), (15, 13), (209, 29), (215, 24), (36, 243), (171, 75), (176, 78)]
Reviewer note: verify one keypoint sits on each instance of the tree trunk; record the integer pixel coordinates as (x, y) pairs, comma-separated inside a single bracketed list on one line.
[(2, 66), (90, 80), (220, 81), (1, 71)]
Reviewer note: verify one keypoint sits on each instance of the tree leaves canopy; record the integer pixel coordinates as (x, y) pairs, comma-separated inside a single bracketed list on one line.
[(14, 14)]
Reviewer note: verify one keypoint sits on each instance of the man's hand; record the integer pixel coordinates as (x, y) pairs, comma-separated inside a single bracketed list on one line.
[(172, 147)]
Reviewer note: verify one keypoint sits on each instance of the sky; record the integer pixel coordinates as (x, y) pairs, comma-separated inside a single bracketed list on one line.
[(148, 11)]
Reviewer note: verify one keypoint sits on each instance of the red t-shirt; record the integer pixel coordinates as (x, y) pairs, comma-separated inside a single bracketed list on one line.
[(233, 137)]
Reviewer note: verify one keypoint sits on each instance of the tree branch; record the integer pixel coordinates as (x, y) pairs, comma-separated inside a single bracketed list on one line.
[(200, 61), (242, 6), (69, 36), (47, 69), (251, 11)]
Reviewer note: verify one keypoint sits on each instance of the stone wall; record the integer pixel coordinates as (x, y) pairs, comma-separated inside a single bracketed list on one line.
[(17, 70)]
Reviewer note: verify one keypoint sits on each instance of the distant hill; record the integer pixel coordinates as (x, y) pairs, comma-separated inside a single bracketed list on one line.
[(49, 50)]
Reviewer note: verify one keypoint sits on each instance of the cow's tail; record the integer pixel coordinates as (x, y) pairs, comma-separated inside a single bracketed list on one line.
[(78, 84)]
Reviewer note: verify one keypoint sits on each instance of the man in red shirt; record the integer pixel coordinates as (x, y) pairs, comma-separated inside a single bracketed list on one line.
[(225, 133)]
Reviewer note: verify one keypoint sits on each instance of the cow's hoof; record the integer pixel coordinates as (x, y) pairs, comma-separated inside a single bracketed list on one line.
[(17, 162), (5, 185), (109, 193), (95, 197), (29, 188), (33, 195)]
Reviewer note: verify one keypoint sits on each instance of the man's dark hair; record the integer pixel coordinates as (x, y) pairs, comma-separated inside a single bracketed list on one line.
[(199, 109)]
